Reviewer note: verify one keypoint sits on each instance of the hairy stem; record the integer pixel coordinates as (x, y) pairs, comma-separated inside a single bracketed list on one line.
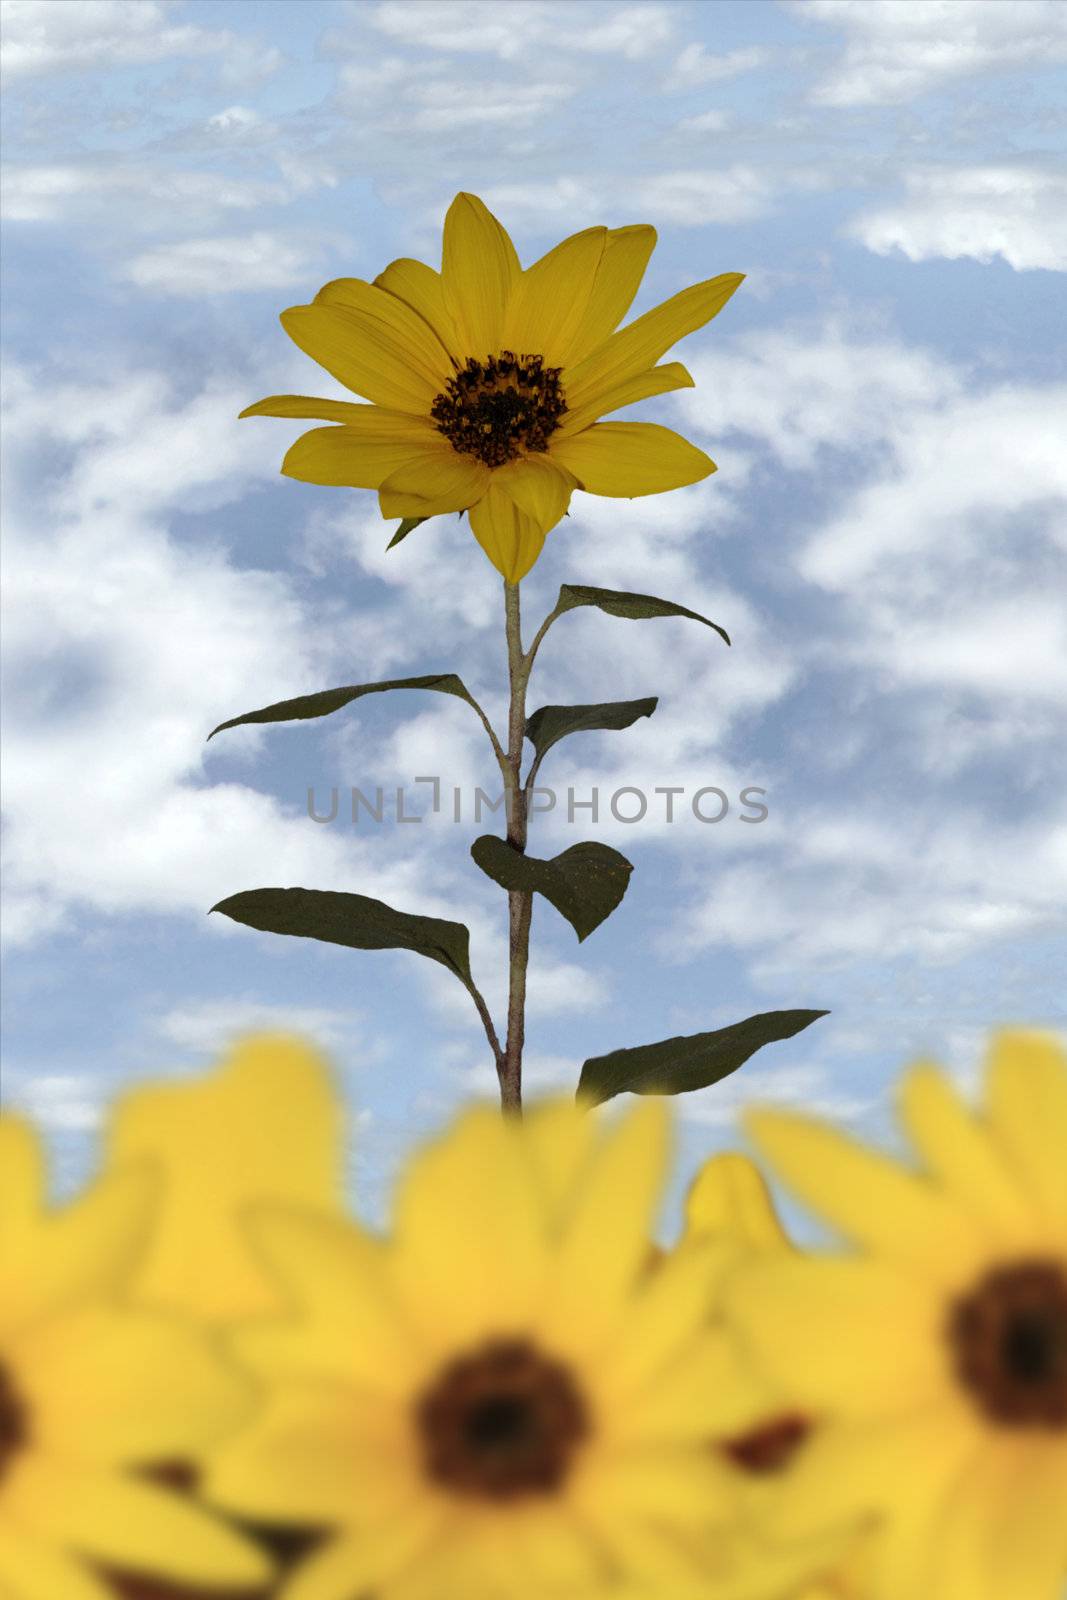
[(520, 906)]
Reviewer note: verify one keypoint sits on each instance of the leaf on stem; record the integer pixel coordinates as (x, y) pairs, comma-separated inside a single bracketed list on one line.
[(328, 700), (693, 1061), (551, 723), (617, 603), (584, 883), (355, 920)]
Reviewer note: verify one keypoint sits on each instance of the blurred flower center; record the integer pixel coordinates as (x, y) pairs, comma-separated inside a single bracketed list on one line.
[(1009, 1342), (497, 408), (501, 1422), (770, 1447), (12, 1421)]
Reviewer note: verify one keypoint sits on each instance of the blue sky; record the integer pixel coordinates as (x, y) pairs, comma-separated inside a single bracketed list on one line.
[(885, 539)]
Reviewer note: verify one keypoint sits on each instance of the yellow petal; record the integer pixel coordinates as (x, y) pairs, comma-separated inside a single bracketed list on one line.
[(303, 405), (707, 1392), (1028, 1518), (539, 486), (609, 1233), (868, 1197), (961, 1154), (560, 1137), (30, 1569), (420, 287), (375, 306), (53, 1257), (471, 1233), (479, 269), (1027, 1092), (367, 1562), (306, 1458), (641, 386), (426, 485), (619, 273), (730, 1196), (339, 456), (130, 1524), (641, 343), (266, 1123), (106, 1386), (348, 1324), (848, 1336), (548, 303), (368, 356), (623, 459), (670, 1310), (512, 540)]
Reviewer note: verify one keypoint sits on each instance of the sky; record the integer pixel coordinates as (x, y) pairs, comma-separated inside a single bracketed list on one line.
[(885, 542)]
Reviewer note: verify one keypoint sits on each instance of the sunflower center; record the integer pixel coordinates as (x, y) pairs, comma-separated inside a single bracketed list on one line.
[(1009, 1343), (497, 408), (501, 1422), (770, 1447), (13, 1420)]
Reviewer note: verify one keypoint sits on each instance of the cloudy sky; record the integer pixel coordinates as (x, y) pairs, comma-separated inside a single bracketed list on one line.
[(885, 539)]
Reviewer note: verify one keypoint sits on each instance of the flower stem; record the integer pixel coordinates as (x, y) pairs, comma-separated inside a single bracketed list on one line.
[(520, 905)]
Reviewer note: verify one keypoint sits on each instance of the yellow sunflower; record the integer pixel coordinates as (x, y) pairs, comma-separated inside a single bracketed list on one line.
[(90, 1390), (506, 1399), (486, 381), (935, 1356), (729, 1200)]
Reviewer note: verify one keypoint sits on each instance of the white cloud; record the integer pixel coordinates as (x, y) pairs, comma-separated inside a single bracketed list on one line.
[(1014, 211), (512, 32), (150, 197), (207, 1026), (41, 36), (696, 65), (439, 107), (57, 1101), (896, 50), (694, 199), (226, 265)]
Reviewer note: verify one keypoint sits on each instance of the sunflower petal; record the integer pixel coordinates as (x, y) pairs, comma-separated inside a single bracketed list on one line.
[(730, 1197), (539, 486), (641, 386), (108, 1386), (375, 305), (547, 306), (338, 456), (619, 273), (420, 287), (1027, 1091), (868, 1197), (641, 343), (369, 356), (430, 483), (623, 459), (302, 405), (131, 1524), (479, 269), (512, 540), (30, 1569)]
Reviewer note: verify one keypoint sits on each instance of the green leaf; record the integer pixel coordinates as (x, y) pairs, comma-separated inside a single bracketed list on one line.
[(551, 723), (585, 883), (408, 525), (327, 700), (351, 919), (619, 604), (677, 1066)]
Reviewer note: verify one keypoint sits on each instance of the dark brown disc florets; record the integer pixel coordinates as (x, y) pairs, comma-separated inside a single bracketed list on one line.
[(497, 408), (1008, 1338), (13, 1422), (501, 1422)]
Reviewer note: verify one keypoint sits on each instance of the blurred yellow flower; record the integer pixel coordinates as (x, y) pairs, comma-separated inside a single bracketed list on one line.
[(486, 381), (730, 1200), (504, 1400), (266, 1123), (89, 1389), (935, 1358)]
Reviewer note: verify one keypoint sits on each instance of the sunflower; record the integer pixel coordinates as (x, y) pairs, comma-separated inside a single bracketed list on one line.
[(505, 1399), (266, 1122), (935, 1356), (90, 1389), (729, 1200), (486, 381)]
